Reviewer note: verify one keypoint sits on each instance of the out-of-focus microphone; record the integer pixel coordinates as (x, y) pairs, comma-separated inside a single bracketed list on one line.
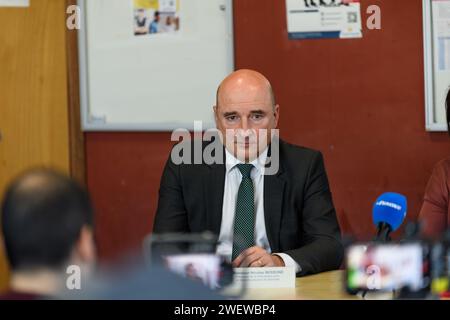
[(388, 214)]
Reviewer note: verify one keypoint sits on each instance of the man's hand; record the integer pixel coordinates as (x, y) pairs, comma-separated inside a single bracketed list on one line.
[(257, 257)]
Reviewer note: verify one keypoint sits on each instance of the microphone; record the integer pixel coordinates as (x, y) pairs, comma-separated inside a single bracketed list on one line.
[(388, 214)]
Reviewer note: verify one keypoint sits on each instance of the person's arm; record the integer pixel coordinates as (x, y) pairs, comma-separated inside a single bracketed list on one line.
[(433, 214), (171, 214), (322, 249)]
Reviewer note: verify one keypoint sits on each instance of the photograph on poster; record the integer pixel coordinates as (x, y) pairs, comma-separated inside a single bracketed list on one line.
[(156, 16)]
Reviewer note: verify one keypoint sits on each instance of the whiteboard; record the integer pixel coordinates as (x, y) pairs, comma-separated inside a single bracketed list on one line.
[(157, 82), (436, 33)]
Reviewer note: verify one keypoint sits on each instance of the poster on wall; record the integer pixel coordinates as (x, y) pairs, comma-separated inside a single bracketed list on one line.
[(156, 17), (441, 17), (321, 19)]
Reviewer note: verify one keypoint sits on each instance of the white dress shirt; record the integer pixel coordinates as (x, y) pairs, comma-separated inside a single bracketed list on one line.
[(233, 179)]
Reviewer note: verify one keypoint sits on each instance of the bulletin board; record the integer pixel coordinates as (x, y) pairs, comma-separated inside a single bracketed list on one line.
[(152, 65)]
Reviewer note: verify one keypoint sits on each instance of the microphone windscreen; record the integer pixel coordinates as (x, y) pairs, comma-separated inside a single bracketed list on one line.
[(390, 208)]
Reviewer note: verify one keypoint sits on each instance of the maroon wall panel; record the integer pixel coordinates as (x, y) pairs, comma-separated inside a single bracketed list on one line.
[(359, 101), (124, 170)]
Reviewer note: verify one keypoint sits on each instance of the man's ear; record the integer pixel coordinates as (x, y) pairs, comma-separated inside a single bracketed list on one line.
[(216, 116), (85, 248), (276, 114)]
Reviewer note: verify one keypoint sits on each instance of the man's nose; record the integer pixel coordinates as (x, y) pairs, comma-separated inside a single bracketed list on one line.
[(244, 135), (244, 124)]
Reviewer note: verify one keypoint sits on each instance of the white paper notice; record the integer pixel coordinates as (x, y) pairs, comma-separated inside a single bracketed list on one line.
[(315, 19), (264, 277), (441, 14), (14, 3)]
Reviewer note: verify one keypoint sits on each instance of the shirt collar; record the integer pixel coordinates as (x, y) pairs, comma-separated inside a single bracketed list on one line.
[(259, 163)]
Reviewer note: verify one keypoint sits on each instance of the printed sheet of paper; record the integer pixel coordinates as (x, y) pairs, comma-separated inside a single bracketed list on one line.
[(441, 18), (316, 19), (156, 17)]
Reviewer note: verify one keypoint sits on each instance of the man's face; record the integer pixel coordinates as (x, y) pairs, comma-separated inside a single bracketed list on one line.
[(245, 115)]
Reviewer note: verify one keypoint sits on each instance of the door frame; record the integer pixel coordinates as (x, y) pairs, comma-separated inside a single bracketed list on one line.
[(77, 153)]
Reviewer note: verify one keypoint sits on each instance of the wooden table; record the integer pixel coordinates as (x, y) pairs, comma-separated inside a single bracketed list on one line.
[(323, 286)]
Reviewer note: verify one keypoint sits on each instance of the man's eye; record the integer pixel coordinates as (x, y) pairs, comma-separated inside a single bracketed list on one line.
[(257, 116), (231, 118)]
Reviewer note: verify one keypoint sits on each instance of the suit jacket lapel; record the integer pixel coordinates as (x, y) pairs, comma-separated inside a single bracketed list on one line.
[(213, 194), (273, 202)]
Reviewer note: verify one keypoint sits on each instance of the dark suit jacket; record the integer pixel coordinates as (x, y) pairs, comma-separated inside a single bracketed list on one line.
[(299, 214)]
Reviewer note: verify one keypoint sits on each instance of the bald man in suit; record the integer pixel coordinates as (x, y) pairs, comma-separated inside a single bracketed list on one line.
[(262, 219)]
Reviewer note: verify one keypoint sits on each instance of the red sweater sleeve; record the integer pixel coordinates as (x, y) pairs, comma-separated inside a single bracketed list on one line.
[(434, 214)]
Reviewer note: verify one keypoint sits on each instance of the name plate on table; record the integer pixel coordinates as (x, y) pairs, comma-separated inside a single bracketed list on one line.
[(278, 277)]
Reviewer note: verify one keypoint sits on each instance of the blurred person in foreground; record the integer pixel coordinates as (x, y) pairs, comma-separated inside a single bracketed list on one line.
[(47, 224)]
